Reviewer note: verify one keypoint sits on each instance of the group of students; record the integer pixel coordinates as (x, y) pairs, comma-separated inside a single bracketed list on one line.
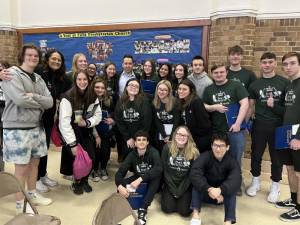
[(175, 140), (185, 178)]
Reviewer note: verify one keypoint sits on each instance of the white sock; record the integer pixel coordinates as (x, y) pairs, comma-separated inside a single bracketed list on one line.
[(31, 192), (20, 203)]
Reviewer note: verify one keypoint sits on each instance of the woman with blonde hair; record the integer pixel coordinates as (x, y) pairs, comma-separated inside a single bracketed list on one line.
[(177, 159), (166, 113), (79, 63)]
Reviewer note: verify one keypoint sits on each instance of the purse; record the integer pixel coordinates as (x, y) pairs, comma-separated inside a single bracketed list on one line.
[(56, 136), (82, 164)]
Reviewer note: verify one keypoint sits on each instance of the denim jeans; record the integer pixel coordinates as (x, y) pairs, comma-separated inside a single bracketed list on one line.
[(237, 145), (229, 203)]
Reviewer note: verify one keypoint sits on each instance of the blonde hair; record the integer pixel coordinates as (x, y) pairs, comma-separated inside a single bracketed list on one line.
[(190, 151), (74, 62), (171, 100)]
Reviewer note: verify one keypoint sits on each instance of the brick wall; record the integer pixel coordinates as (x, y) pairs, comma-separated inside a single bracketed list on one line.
[(279, 36), (255, 37), (9, 46)]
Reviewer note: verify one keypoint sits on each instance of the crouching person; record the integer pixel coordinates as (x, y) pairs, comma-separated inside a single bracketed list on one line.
[(216, 178), (177, 159), (144, 161)]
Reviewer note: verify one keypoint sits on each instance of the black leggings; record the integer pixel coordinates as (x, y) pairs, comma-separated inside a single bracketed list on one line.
[(102, 154), (170, 204)]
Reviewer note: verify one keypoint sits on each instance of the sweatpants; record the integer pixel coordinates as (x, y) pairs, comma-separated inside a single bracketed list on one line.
[(263, 133)]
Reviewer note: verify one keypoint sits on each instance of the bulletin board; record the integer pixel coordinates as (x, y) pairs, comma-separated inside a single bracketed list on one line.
[(172, 42)]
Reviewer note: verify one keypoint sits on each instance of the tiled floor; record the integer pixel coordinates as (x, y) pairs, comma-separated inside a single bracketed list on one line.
[(79, 210)]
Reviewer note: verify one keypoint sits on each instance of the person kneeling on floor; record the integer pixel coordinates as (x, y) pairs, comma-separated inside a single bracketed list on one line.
[(216, 178), (144, 161)]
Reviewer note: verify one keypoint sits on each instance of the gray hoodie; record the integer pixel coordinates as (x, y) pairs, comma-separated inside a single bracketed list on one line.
[(22, 111), (201, 82)]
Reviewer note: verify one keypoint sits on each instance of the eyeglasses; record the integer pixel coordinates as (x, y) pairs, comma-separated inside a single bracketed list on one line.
[(133, 85), (221, 146), (182, 135)]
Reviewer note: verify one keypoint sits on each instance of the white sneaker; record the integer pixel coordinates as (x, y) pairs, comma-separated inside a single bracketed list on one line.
[(274, 194), (195, 222), (41, 187), (49, 182), (38, 199), (254, 187)]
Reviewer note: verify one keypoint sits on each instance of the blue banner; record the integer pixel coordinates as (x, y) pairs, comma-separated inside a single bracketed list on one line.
[(173, 45)]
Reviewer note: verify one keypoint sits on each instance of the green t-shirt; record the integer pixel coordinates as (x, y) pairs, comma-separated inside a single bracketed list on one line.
[(228, 93), (292, 105), (246, 77), (261, 89)]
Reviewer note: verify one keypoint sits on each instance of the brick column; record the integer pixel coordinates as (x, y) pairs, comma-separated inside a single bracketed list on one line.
[(9, 46), (279, 36), (227, 32)]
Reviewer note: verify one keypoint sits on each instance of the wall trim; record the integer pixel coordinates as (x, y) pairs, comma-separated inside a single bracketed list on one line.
[(204, 21), (233, 13), (252, 13)]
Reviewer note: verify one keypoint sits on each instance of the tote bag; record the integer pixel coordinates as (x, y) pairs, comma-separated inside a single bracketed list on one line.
[(82, 164)]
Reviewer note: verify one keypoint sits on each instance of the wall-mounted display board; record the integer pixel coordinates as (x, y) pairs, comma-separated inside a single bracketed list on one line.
[(164, 44)]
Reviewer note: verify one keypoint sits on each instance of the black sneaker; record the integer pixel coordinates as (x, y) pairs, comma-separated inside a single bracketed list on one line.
[(142, 216), (291, 216), (285, 204), (86, 187), (239, 192), (77, 188)]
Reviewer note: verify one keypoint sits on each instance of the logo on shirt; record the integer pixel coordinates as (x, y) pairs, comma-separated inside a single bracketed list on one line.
[(179, 163), (164, 116), (130, 115), (221, 97), (290, 98), (143, 168), (268, 92)]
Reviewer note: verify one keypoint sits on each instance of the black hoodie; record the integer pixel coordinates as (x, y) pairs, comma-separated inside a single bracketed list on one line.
[(134, 116), (147, 166)]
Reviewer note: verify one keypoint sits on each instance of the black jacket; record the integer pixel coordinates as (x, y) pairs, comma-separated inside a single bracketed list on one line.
[(208, 172), (57, 86), (197, 119), (147, 166)]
